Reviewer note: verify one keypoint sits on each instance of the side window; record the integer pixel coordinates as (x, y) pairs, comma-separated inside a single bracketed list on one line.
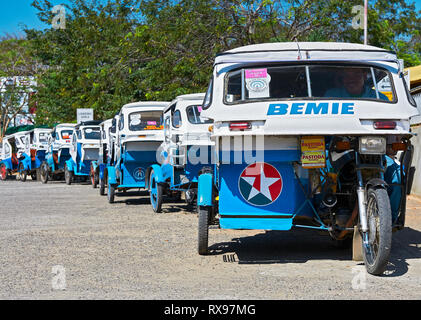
[(208, 97), (176, 119), (6, 149), (121, 122)]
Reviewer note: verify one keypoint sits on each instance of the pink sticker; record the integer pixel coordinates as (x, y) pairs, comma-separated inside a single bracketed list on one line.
[(151, 123), (256, 73), (199, 108)]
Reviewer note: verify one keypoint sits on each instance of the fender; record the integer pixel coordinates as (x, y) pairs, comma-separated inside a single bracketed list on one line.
[(376, 183), (70, 165), (7, 163), (112, 177), (101, 169), (158, 174), (94, 165), (26, 161), (205, 188)]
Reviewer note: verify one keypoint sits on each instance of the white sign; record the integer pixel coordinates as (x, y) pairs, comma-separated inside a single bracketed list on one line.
[(85, 115)]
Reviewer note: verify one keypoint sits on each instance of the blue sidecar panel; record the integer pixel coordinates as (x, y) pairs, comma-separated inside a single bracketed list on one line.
[(134, 168), (265, 195)]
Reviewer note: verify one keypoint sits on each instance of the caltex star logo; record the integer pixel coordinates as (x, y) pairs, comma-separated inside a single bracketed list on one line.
[(260, 184)]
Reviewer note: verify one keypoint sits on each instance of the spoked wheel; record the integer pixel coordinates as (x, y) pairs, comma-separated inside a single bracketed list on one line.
[(93, 178), (3, 172), (68, 175), (379, 217), (22, 173), (44, 172), (111, 193), (155, 191), (203, 236)]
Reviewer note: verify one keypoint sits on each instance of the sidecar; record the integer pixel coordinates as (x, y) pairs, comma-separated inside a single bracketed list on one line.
[(58, 152), (84, 149), (139, 135), (98, 166), (11, 147), (307, 136), (185, 151), (108, 146), (33, 152)]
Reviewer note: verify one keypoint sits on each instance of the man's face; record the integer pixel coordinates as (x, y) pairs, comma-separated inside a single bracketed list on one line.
[(354, 80)]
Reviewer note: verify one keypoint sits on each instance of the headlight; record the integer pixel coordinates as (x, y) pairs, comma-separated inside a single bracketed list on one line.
[(372, 145)]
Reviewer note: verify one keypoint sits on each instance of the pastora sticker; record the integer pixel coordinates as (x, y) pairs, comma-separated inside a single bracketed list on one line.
[(260, 184)]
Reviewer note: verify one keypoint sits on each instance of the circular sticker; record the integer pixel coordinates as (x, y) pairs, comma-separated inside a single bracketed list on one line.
[(256, 85), (260, 184), (139, 174)]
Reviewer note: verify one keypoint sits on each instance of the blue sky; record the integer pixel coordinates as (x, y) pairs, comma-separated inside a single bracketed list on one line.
[(16, 13)]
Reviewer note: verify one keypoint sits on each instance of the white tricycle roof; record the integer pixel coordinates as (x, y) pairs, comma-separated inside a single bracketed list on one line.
[(142, 135), (299, 51), (294, 115)]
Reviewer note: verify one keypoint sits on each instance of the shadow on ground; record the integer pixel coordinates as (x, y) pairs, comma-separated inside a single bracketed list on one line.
[(300, 246)]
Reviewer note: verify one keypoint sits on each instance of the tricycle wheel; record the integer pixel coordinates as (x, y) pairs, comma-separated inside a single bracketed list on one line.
[(3, 172), (92, 177), (379, 217), (102, 187), (44, 172), (203, 236), (155, 191), (22, 173), (111, 193), (68, 175)]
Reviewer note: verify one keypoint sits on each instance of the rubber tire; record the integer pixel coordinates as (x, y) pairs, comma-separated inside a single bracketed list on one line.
[(68, 176), (156, 205), (3, 172), (44, 173), (204, 214), (22, 173), (93, 178), (102, 187), (384, 231), (111, 193)]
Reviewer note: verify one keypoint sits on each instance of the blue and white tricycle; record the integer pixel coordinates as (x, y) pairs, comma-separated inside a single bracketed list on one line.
[(84, 149), (185, 151), (138, 137), (307, 136)]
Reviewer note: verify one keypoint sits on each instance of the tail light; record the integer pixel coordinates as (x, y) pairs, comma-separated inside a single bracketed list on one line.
[(239, 126), (384, 125)]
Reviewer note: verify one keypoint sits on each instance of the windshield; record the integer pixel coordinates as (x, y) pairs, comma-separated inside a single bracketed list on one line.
[(66, 134), (145, 120), (193, 115), (315, 81), (92, 133), (43, 137)]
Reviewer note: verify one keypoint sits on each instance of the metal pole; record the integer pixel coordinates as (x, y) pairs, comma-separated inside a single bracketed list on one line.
[(365, 21)]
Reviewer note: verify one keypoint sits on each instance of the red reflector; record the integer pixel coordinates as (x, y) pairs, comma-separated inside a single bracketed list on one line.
[(385, 125), (239, 126)]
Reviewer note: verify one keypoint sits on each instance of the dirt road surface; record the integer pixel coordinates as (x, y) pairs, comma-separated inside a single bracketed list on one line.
[(67, 242)]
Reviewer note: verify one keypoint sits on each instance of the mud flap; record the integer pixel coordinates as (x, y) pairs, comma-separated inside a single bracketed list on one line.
[(357, 245)]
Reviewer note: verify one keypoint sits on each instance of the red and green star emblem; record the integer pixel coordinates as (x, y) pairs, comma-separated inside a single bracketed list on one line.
[(260, 184)]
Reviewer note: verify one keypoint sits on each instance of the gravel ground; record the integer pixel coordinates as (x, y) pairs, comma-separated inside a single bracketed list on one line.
[(67, 242)]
